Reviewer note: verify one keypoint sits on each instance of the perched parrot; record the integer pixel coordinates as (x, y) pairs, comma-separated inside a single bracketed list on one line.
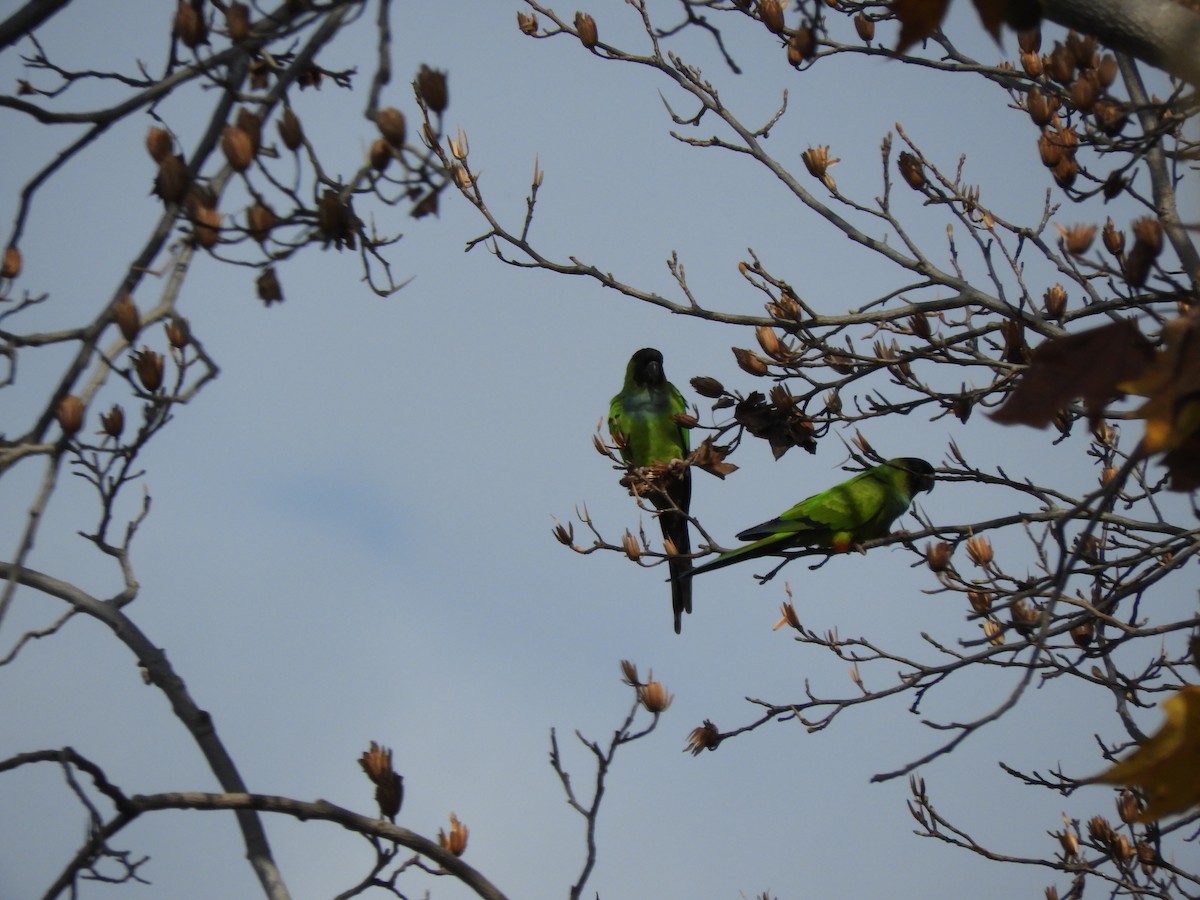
[(854, 511), (640, 420)]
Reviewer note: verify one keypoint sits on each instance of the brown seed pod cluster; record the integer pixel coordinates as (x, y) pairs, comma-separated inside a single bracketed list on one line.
[(1073, 77), (376, 763)]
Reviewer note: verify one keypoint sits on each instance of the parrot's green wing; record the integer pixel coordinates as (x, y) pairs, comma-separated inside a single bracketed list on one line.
[(854, 511), (641, 420)]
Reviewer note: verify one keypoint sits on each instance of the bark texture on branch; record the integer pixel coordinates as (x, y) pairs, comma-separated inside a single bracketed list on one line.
[(1163, 33)]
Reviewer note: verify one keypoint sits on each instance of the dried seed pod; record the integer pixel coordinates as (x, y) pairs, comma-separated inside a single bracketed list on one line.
[(172, 181), (769, 341), (1060, 64), (389, 784), (1068, 139), (460, 147), (771, 13), (981, 601), (1114, 238), (1077, 239), (919, 323), (1083, 634), (1016, 350), (178, 332), (585, 27), (149, 366), (125, 314), (380, 155), (330, 214), (865, 27), (706, 737), (786, 307), (911, 170), (268, 288), (1084, 93), (749, 363), (1030, 41), (251, 123), (1024, 617), (961, 406), (1069, 841), (427, 205), (1065, 172), (787, 617), (1148, 232), (190, 26), (1128, 807), (979, 550), (309, 77), (654, 697), (432, 87), (1039, 108), (113, 422), (840, 363), (392, 126), (1099, 831), (1136, 265), (1147, 858), (260, 219), (802, 46), (238, 147), (70, 414), (206, 221), (456, 840), (159, 143), (707, 387), (1032, 64), (1122, 849), (237, 20), (11, 266), (1049, 150), (630, 545), (376, 762), (994, 632), (1106, 70), (1083, 49), (818, 161), (290, 131), (937, 556), (1055, 301), (565, 535), (1110, 116)]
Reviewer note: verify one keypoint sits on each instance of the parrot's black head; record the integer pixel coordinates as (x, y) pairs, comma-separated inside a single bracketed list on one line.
[(920, 473), (646, 366)]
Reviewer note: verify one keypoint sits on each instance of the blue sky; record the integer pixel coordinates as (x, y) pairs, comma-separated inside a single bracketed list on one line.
[(350, 537)]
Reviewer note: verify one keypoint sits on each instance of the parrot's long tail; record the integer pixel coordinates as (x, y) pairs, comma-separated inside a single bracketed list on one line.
[(675, 527)]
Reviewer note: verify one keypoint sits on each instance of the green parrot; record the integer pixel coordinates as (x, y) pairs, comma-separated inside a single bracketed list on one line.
[(854, 511), (641, 420)]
